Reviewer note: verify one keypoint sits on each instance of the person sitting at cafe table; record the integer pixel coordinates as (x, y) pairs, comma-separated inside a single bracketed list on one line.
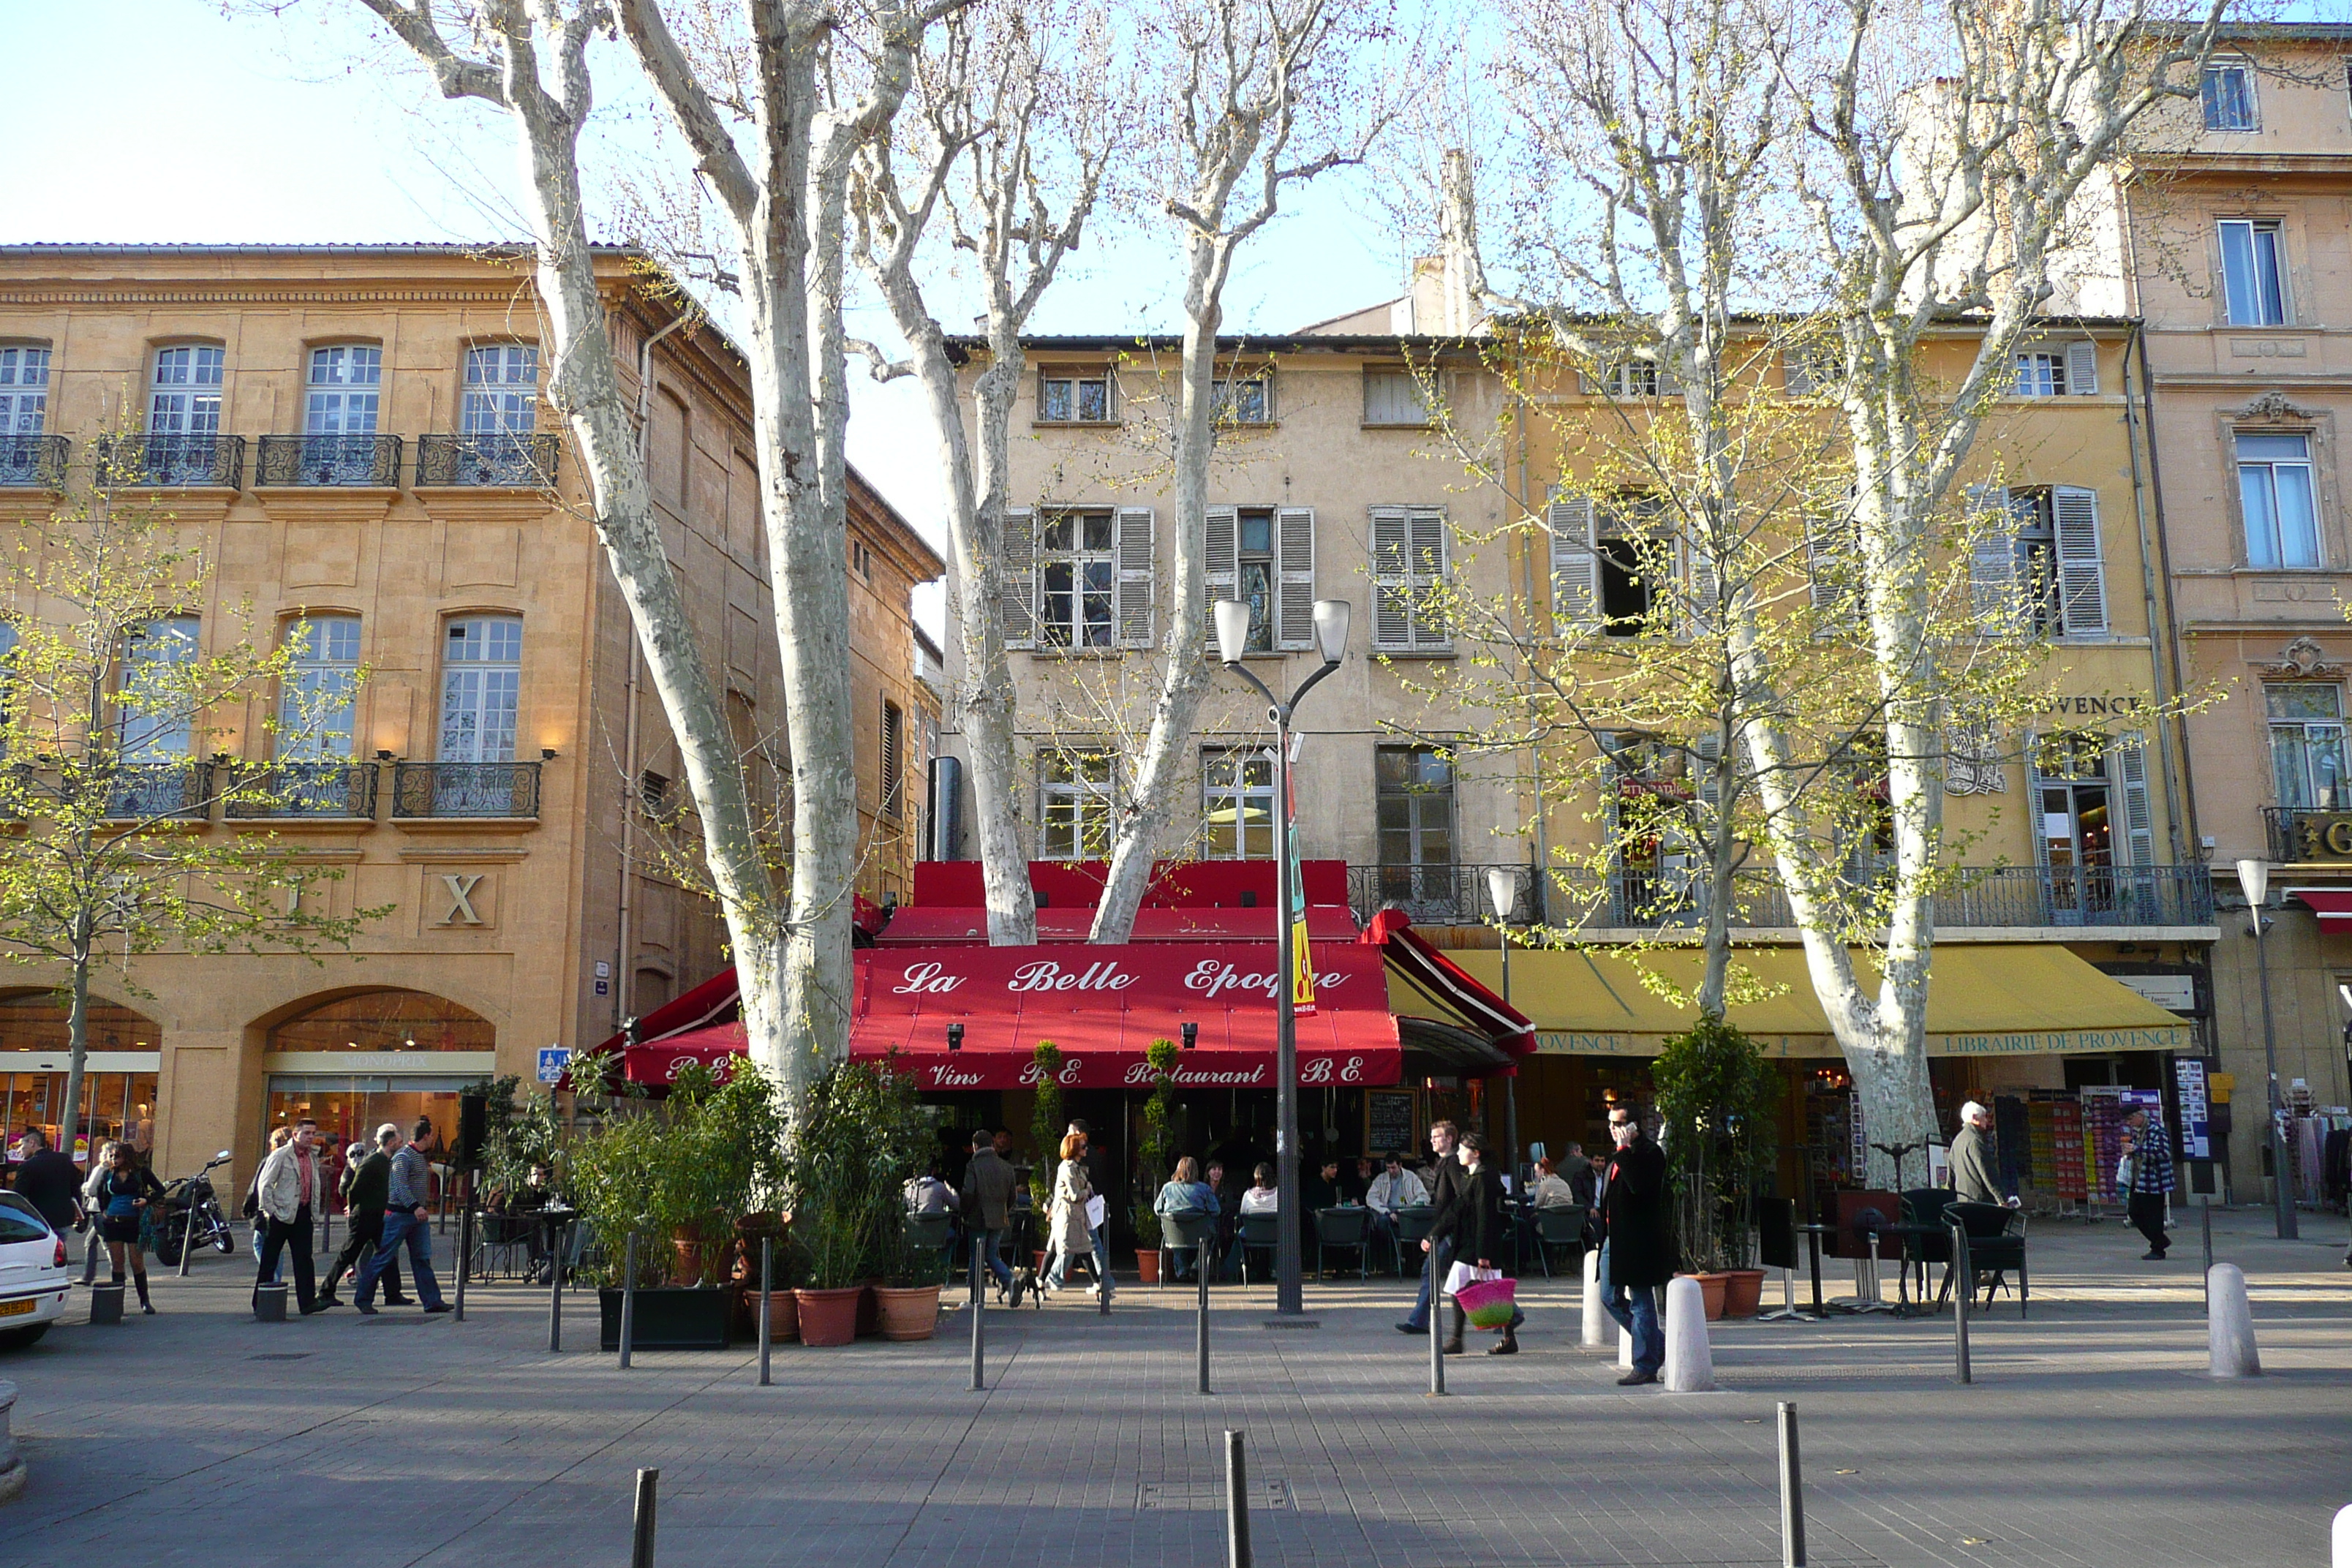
[(1322, 1189), (1551, 1191), (1184, 1193), (1394, 1188), (1261, 1197)]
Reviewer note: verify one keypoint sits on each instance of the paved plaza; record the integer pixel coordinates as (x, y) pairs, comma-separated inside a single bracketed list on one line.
[(2091, 1436)]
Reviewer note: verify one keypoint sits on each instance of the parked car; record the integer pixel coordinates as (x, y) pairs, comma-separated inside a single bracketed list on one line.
[(33, 1282)]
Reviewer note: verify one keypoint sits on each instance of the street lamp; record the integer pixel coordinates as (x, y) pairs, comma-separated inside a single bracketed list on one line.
[(2254, 877), (1233, 616), (1503, 890)]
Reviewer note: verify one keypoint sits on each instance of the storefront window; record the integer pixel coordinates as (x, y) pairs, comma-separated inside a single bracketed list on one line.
[(385, 1021), (350, 1106), (116, 1103)]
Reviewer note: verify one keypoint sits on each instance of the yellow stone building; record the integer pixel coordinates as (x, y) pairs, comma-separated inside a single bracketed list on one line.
[(355, 436)]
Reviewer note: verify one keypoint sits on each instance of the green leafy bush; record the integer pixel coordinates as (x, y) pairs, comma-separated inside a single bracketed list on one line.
[(1718, 1099), (1159, 1140), (860, 1137), (1046, 1124)]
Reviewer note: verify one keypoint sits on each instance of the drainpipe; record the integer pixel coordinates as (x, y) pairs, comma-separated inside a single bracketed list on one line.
[(2132, 432), (2164, 579), (624, 981)]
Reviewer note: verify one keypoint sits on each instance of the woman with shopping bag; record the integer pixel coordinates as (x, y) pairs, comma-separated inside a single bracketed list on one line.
[(1482, 1290)]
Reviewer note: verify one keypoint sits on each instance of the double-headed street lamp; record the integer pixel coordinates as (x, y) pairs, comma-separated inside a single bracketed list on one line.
[(1232, 641), (1503, 890), (2254, 877)]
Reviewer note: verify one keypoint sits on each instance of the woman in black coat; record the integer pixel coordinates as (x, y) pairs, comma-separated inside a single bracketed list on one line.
[(1481, 1226)]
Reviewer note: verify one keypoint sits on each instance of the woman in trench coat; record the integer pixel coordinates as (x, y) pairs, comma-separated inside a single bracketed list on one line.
[(1071, 1235)]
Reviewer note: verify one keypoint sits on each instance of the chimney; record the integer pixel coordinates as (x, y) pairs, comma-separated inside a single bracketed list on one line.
[(1462, 302)]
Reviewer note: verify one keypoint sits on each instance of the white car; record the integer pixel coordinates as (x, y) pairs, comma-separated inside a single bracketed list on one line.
[(33, 1285)]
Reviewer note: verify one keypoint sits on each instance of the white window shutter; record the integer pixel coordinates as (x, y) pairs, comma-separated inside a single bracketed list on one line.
[(1392, 583), (1427, 567), (1992, 562), (1294, 561), (1134, 562), (1223, 557), (2139, 825), (2081, 578), (1575, 565), (2083, 368), (1797, 373), (1833, 568), (1710, 751), (1670, 378), (1016, 606), (1701, 589)]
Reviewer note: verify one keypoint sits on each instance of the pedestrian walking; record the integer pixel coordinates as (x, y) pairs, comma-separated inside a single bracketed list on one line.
[(1479, 1230), (1446, 1186), (1070, 1233), (100, 1169), (278, 1139), (1973, 1177), (404, 1218), (123, 1194), (1637, 1249), (1098, 1176), (988, 1183), (2147, 1179), (290, 1189), (366, 1188), (50, 1181)]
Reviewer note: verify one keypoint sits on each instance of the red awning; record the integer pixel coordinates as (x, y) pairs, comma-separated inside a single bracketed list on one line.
[(2333, 906), (921, 925)]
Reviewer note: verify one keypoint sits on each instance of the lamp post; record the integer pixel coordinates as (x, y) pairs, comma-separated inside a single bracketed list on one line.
[(2254, 877), (1232, 641), (1503, 890)]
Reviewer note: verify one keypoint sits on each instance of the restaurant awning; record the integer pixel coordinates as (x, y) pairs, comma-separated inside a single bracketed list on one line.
[(2331, 905), (1989, 999)]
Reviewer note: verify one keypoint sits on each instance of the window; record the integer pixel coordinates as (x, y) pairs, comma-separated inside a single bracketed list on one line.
[(1412, 789), (1237, 804), (1408, 567), (186, 397), (24, 391), (1245, 400), (2306, 721), (653, 795), (1266, 556), (1078, 576), (1075, 807), (1633, 378), (1393, 396), (481, 688), (1630, 544), (2057, 369), (2040, 569), (2040, 376), (2229, 94), (502, 390), (315, 703), (2276, 497), (893, 760), (344, 380), (159, 723), (2250, 273), (1073, 396)]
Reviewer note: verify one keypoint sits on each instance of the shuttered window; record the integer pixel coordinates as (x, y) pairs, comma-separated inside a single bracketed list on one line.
[(1575, 567), (893, 760), (1392, 396), (1408, 564), (2048, 370), (2041, 570), (1264, 556)]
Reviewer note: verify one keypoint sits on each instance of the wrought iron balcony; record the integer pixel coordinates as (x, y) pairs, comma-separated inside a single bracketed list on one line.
[(156, 792), (465, 789), (173, 461), (38, 461), (1985, 896), (330, 460), (517, 460), (336, 790)]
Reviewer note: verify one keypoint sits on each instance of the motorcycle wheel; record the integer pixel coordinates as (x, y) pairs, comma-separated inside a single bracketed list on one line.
[(222, 1242), (167, 1247)]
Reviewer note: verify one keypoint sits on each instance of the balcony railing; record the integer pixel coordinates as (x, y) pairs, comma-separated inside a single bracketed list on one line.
[(372, 460), (465, 789), (152, 792), (1985, 896), (336, 790), (2303, 834), (173, 461), (525, 461), (32, 460)]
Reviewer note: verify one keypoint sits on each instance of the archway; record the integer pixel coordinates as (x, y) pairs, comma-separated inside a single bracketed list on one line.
[(118, 1077), (354, 1062)]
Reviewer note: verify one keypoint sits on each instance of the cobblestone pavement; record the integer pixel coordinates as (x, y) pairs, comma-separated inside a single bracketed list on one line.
[(2090, 1436)]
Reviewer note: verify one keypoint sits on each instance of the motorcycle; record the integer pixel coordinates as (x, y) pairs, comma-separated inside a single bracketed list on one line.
[(191, 1201)]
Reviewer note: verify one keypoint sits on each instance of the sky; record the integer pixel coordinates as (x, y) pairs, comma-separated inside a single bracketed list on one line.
[(231, 126)]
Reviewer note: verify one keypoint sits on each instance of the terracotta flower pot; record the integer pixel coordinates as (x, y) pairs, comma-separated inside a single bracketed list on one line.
[(1710, 1292), (1147, 1265), (908, 1313), (1743, 1293), (828, 1316)]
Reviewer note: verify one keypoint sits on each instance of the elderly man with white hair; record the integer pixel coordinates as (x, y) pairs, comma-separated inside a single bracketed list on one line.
[(1972, 1168)]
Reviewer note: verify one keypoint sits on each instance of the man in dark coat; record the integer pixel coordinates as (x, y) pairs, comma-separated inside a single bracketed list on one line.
[(1447, 1184), (988, 1183), (50, 1181), (1637, 1249)]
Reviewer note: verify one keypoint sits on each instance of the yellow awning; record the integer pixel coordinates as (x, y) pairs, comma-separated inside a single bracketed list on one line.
[(1983, 1000)]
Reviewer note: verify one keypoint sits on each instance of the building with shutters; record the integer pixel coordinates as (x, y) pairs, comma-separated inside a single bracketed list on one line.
[(355, 437)]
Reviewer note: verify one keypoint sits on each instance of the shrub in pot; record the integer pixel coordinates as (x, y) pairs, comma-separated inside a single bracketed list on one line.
[(1158, 1113), (859, 1138), (1718, 1099), (907, 1301)]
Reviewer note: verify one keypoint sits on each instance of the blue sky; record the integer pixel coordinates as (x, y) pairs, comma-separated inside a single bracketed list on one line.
[(252, 129)]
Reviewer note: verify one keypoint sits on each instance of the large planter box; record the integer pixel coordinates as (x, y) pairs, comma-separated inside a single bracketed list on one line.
[(671, 1318)]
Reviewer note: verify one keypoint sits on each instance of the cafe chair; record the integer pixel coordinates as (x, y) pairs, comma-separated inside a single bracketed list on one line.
[(1184, 1232), (1927, 1237), (501, 1242), (1559, 1227), (1412, 1227), (932, 1233), (1257, 1232), (1344, 1228), (1996, 1245)]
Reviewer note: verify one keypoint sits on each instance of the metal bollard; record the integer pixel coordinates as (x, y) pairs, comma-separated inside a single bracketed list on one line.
[(767, 1294), (1965, 1290), (1201, 1318), (979, 1315), (2205, 1213), (641, 1540), (629, 1302), (555, 1290), (1237, 1543), (1792, 1493), (1437, 1345), (465, 1261)]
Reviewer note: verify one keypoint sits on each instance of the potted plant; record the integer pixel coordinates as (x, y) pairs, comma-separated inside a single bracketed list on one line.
[(1158, 1141), (908, 1300), (1718, 1099), (858, 1138), (1046, 1124), (679, 1172)]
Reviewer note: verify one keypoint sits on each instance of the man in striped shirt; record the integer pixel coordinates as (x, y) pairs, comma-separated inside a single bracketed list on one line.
[(2150, 1153)]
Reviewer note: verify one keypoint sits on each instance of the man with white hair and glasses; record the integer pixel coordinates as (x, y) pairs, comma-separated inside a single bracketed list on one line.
[(1974, 1177)]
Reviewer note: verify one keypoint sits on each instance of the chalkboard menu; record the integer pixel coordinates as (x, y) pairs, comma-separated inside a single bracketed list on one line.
[(1389, 1122)]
